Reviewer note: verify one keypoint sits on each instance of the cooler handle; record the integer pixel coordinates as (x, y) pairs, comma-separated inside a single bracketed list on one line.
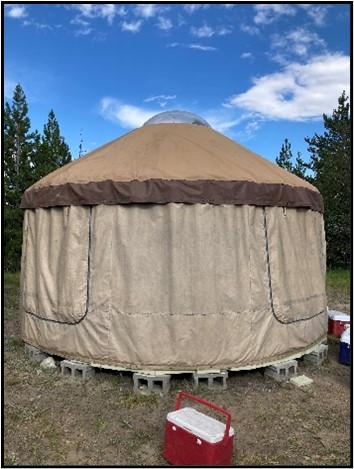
[(185, 395)]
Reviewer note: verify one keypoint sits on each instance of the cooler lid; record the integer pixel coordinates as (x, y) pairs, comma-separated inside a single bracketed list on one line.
[(338, 316), (199, 424), (345, 337)]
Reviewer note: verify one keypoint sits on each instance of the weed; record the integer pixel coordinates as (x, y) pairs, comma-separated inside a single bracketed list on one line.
[(131, 400), (13, 343), (100, 424), (10, 459)]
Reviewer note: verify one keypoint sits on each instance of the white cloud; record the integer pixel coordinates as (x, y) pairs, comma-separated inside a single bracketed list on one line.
[(161, 99), (132, 27), (16, 11), (84, 26), (249, 29), (147, 10), (300, 42), (126, 115), (121, 10), (130, 117), (223, 31), (192, 46), (192, 7), (317, 13), (79, 21), (105, 11), (252, 126), (267, 13), (201, 47), (223, 122), (203, 31), (83, 31), (164, 24), (249, 130), (247, 55), (37, 25), (208, 31), (299, 91)]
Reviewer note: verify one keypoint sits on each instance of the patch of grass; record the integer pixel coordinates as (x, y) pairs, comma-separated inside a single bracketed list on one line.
[(12, 279), (36, 450), (11, 294), (132, 400), (339, 279), (14, 344), (100, 424)]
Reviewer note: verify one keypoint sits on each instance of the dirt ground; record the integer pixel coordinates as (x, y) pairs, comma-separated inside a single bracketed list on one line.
[(50, 420)]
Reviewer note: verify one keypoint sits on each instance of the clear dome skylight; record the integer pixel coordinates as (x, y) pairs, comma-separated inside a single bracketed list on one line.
[(177, 117)]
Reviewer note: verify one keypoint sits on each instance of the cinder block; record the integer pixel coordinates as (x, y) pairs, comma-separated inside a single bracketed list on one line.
[(76, 369), (34, 353), (213, 380), (282, 371), (148, 383), (317, 356)]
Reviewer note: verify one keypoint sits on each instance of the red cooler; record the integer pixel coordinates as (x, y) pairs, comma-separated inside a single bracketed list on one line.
[(337, 322), (193, 438)]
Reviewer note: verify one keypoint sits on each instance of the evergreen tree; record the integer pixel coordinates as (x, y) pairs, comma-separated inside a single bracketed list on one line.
[(18, 172), (284, 160), (27, 157), (299, 169), (18, 148), (285, 156), (51, 150), (331, 164)]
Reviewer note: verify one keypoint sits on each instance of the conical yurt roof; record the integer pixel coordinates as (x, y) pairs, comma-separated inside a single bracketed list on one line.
[(172, 159)]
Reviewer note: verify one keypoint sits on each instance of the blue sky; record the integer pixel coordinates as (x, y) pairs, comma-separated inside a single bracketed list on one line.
[(257, 73)]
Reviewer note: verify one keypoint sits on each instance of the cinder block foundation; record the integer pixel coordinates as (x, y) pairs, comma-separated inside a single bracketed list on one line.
[(76, 369), (282, 371), (213, 380), (144, 383), (34, 353), (317, 356)]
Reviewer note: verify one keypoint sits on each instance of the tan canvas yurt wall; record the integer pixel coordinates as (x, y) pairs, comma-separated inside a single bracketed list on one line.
[(173, 248)]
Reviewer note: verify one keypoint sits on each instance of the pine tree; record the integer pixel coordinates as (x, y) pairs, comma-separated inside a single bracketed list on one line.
[(51, 150), (27, 157), (331, 164), (285, 156), (284, 160), (299, 169), (18, 172), (18, 148)]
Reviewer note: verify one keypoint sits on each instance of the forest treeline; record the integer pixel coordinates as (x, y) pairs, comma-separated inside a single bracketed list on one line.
[(29, 155)]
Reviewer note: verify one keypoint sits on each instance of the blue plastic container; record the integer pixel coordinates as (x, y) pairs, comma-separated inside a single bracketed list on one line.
[(344, 348)]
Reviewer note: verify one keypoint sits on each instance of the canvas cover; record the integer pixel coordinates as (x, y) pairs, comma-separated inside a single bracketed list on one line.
[(181, 163), (173, 286)]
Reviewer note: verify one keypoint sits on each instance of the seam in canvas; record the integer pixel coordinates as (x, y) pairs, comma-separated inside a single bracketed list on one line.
[(270, 280), (74, 323)]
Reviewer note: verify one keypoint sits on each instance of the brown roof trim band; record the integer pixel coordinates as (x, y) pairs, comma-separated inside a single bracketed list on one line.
[(160, 191)]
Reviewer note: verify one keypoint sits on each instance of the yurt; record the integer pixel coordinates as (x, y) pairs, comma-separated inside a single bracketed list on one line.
[(173, 248)]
